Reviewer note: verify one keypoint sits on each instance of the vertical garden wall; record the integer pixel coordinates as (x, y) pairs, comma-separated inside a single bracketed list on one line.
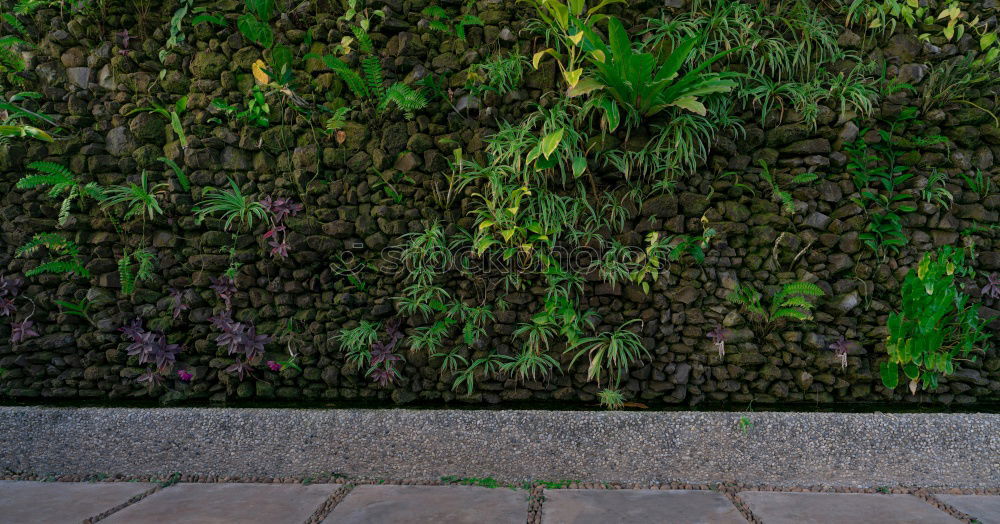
[(628, 202)]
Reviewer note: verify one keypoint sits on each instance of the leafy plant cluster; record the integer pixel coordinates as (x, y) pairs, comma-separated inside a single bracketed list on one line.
[(936, 325)]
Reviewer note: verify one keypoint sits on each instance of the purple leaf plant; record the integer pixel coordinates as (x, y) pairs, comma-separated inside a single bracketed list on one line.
[(840, 348), (718, 337), (279, 208), (992, 287)]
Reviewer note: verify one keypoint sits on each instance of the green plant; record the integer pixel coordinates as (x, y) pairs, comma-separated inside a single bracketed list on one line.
[(935, 191), (611, 398), (77, 309), (500, 74), (790, 302), (613, 352), (176, 29), (254, 24), (63, 183), (257, 110), (178, 172), (876, 165), (356, 342), (641, 85), (232, 205), (135, 265), (980, 183), (780, 195), (66, 253), (936, 325), (439, 20), (371, 86), (171, 115), (139, 200), (529, 365)]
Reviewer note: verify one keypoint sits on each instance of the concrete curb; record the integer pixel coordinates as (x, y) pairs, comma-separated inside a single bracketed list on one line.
[(780, 449)]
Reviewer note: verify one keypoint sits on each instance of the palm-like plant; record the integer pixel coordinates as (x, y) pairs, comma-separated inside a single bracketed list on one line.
[(637, 83), (139, 200), (611, 351), (232, 205)]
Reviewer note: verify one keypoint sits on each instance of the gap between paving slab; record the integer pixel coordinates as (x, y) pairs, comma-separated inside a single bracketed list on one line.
[(782, 449)]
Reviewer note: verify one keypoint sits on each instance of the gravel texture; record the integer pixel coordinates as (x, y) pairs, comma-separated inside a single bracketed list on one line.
[(781, 449)]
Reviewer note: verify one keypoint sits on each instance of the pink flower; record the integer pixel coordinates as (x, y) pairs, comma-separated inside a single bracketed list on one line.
[(184, 375), (273, 365)]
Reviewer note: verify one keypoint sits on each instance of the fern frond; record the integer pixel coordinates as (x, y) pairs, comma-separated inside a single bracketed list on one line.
[(59, 267), (372, 67), (51, 168), (364, 41), (338, 119), (790, 313), (353, 80), (802, 288), (55, 180), (51, 241), (125, 274), (15, 23), (796, 301), (64, 207), (147, 264), (404, 96)]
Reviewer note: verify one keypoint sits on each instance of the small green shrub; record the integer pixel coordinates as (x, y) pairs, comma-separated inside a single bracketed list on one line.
[(63, 183), (790, 302), (936, 325)]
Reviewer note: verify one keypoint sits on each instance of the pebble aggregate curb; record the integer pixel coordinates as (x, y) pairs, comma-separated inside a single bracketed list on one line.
[(781, 449)]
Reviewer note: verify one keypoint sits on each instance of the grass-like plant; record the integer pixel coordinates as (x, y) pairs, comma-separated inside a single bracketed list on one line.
[(232, 206), (611, 352), (139, 199)]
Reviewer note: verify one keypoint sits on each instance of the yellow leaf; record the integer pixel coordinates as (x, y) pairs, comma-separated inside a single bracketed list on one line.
[(538, 57), (576, 38), (572, 77), (258, 72), (598, 55)]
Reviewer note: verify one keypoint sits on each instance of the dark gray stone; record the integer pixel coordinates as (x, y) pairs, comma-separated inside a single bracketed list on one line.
[(23, 501), (592, 506), (431, 505), (224, 503), (775, 507)]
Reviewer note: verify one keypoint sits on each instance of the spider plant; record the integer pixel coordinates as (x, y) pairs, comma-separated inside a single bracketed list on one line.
[(232, 205), (139, 200), (611, 351)]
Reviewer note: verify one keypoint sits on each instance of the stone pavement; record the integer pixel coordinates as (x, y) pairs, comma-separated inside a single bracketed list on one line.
[(135, 502)]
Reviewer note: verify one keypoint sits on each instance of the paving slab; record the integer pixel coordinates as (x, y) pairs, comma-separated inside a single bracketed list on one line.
[(431, 505), (984, 508), (775, 507), (207, 503), (598, 506), (24, 501)]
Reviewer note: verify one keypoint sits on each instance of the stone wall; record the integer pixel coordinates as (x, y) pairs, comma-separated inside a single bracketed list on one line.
[(91, 81)]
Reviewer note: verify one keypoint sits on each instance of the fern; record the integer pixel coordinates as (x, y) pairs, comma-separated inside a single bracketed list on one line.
[(791, 302), (353, 80), (62, 181), (404, 96), (364, 40), (59, 246), (373, 75), (144, 262), (125, 274), (15, 23), (338, 119)]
